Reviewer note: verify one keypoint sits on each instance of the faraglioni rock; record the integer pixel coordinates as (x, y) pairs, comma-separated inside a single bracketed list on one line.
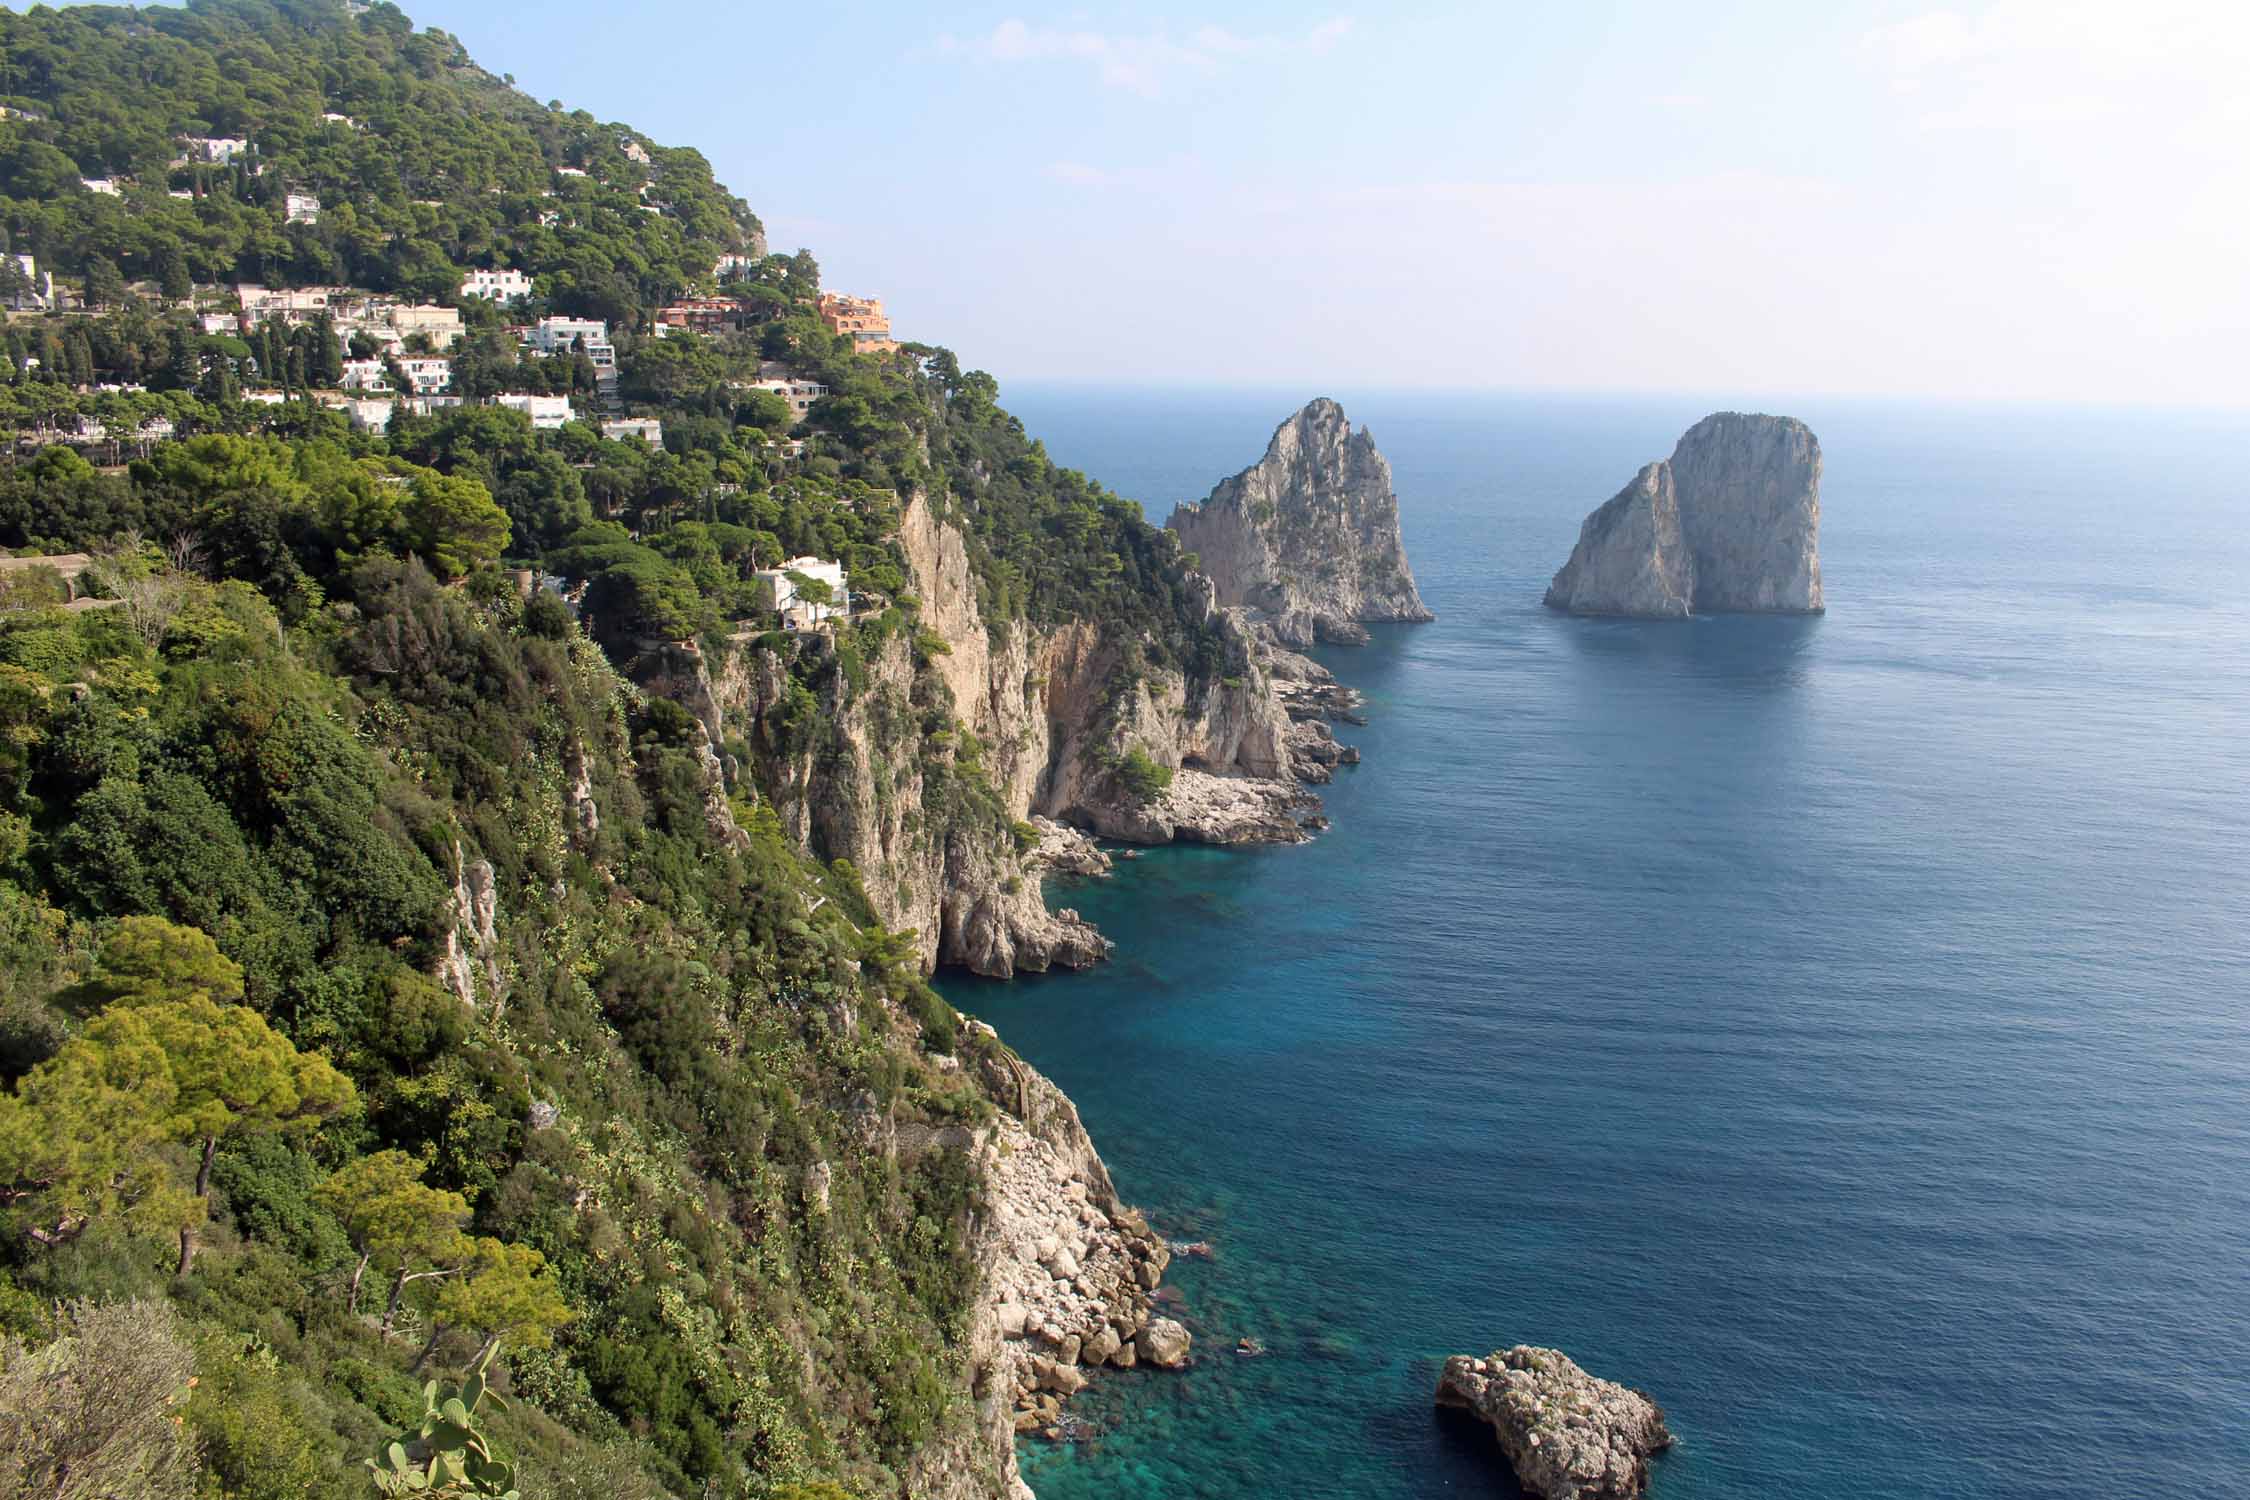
[(1568, 1435), (1731, 522), (1308, 536)]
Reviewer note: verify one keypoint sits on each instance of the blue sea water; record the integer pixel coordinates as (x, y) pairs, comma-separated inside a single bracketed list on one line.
[(1837, 1027)]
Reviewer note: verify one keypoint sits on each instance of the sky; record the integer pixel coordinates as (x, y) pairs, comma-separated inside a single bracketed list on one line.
[(2023, 200)]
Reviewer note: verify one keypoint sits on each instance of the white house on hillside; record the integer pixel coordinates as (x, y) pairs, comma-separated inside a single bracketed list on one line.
[(797, 611), (628, 429), (300, 208), (546, 412), (499, 286)]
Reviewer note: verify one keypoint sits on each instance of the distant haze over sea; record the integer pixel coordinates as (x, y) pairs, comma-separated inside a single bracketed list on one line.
[(1837, 1027)]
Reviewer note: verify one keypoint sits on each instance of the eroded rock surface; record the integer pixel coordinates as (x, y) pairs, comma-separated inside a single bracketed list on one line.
[(1568, 1435), (1308, 537)]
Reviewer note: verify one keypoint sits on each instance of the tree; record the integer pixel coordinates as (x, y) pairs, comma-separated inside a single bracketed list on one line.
[(218, 1069), (147, 958), (390, 1214), (105, 284), (452, 523), (504, 1291), (172, 273)]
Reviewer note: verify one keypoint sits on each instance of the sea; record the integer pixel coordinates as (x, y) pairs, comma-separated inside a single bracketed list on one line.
[(1836, 1027)]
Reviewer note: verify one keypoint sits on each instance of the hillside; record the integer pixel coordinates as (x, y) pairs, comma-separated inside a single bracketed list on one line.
[(448, 910)]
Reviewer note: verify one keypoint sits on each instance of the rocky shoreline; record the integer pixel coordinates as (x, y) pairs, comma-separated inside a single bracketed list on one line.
[(1070, 1272)]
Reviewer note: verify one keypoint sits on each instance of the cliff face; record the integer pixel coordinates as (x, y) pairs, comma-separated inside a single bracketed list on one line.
[(921, 764), (1308, 536), (1730, 522)]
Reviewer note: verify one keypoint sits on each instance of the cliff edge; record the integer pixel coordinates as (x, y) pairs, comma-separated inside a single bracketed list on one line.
[(1308, 536), (1731, 522)]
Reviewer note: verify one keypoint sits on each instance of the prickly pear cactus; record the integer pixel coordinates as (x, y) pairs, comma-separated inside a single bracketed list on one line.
[(445, 1457)]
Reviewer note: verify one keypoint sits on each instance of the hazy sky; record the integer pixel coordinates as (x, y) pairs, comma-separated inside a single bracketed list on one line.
[(2031, 198)]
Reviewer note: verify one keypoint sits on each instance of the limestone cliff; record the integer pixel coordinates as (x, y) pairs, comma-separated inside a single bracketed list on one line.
[(920, 755), (1308, 537), (1730, 522)]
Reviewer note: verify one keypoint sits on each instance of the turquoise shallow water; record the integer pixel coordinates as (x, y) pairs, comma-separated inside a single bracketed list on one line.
[(1839, 1028)]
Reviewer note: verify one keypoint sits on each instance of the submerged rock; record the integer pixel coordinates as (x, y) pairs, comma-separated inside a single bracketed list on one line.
[(1308, 536), (1568, 1435), (1730, 522)]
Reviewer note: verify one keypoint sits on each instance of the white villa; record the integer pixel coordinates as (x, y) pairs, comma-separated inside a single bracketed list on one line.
[(300, 208), (561, 335), (799, 393), (499, 286), (546, 412), (798, 612), (626, 429)]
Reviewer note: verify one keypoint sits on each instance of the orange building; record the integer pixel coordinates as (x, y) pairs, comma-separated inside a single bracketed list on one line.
[(861, 319)]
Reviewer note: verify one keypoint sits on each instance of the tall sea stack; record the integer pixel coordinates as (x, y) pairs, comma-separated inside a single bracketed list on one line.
[(1731, 522), (1308, 536)]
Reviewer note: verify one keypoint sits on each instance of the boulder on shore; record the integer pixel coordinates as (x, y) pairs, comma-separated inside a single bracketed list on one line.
[(1568, 1435)]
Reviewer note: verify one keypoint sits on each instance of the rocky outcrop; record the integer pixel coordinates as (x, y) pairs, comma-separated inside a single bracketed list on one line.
[(1630, 558), (472, 947), (1730, 522), (1308, 537), (1568, 1435)]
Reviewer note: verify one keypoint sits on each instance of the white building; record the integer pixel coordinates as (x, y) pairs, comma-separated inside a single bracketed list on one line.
[(626, 429), (634, 151), (733, 265), (332, 118), (499, 286), (370, 415), (302, 305), (561, 335), (219, 149), (300, 208), (427, 375), (220, 323), (546, 412), (106, 186), (365, 375), (799, 394), (798, 612)]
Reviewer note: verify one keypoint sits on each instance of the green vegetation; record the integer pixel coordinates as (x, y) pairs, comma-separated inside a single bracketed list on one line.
[(437, 166), (281, 1127), (1143, 779)]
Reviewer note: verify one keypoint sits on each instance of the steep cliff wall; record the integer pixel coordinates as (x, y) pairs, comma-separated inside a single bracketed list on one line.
[(1730, 522), (1309, 535), (918, 753)]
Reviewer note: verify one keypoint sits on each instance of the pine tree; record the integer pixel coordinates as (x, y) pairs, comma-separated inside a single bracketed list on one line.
[(172, 274)]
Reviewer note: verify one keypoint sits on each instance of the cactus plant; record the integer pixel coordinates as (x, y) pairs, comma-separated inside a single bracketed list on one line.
[(445, 1457)]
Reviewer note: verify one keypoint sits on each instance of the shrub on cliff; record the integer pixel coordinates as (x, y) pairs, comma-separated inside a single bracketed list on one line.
[(1143, 779)]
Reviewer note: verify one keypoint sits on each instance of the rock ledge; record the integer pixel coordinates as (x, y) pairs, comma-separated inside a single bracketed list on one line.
[(1568, 1435)]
